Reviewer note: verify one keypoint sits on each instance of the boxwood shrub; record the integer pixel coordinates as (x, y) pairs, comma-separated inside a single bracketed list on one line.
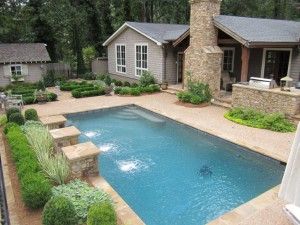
[(17, 118), (31, 114), (35, 187), (11, 111), (59, 211), (137, 90), (87, 92), (102, 213)]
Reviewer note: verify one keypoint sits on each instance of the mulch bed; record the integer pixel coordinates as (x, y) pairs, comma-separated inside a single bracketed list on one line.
[(26, 216), (190, 105)]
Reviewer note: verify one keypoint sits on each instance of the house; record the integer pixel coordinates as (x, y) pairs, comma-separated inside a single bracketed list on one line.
[(22, 59), (212, 44), (137, 47)]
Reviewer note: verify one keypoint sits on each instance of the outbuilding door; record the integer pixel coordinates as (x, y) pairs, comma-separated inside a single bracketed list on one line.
[(180, 62)]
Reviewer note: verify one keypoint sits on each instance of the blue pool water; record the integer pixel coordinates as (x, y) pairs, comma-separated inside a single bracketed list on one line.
[(170, 173)]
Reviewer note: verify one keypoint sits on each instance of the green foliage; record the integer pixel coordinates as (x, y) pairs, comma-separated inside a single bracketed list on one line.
[(126, 84), (35, 188), (102, 213), (89, 54), (54, 166), (88, 92), (11, 111), (8, 126), (81, 195), (51, 78), (147, 79), (41, 85), (137, 90), (107, 80), (16, 118), (52, 97), (252, 118), (59, 211), (184, 96), (118, 83), (70, 86), (3, 120), (31, 114)]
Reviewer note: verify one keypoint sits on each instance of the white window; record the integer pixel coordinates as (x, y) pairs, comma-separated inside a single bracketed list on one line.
[(121, 58), (16, 70), (141, 59), (228, 59)]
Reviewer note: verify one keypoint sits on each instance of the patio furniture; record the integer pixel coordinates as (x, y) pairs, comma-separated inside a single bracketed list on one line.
[(14, 101), (226, 81), (293, 213)]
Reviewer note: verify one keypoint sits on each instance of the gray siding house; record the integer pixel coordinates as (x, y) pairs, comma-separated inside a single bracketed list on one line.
[(22, 59), (138, 47), (252, 47)]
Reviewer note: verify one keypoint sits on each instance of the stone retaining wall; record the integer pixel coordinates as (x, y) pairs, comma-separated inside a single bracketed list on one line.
[(267, 100)]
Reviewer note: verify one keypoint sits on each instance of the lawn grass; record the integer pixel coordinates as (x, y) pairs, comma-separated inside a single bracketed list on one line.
[(252, 118)]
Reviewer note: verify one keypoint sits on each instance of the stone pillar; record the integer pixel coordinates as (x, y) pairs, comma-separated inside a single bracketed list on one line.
[(203, 57), (245, 64)]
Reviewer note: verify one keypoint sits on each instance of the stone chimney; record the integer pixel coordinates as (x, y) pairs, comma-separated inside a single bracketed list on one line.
[(203, 57)]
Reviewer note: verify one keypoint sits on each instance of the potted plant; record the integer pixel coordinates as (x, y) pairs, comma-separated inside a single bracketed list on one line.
[(164, 85)]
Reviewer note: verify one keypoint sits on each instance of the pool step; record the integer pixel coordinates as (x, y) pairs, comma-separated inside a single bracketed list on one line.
[(145, 115), (126, 115)]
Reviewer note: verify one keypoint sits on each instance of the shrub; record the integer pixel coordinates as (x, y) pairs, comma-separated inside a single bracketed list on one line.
[(107, 80), (134, 85), (201, 90), (102, 213), (125, 91), (252, 118), (196, 100), (29, 100), (52, 97), (81, 195), (41, 85), (184, 96), (135, 91), (17, 118), (31, 114), (8, 126), (117, 90), (126, 84), (36, 190), (118, 83), (59, 211), (3, 120), (11, 111), (88, 92), (146, 79), (89, 76)]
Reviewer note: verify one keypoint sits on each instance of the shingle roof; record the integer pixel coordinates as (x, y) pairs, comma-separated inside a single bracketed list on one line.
[(257, 30), (157, 32), (23, 52), (161, 32)]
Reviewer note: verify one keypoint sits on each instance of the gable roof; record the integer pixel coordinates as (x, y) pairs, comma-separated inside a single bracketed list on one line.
[(157, 32), (257, 31), (23, 52)]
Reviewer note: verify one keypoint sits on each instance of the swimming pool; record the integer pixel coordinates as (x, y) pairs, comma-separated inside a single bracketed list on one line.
[(169, 173)]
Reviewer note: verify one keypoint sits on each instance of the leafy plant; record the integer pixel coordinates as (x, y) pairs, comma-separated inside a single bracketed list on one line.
[(146, 79), (8, 126), (102, 213), (17, 118), (11, 111), (31, 114), (81, 195), (252, 118), (59, 211), (3, 120), (35, 188)]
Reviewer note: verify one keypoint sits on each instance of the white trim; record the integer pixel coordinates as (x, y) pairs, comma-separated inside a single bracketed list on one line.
[(15, 65), (233, 57), (116, 45), (263, 65), (135, 66), (123, 27)]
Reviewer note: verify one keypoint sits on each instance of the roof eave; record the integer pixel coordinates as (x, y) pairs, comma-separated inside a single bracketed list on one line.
[(122, 28), (181, 38), (272, 44), (231, 33)]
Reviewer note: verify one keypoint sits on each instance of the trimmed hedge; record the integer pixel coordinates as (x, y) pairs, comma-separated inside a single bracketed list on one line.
[(59, 211), (31, 114), (17, 118), (102, 213), (136, 91), (87, 92), (35, 187), (11, 111)]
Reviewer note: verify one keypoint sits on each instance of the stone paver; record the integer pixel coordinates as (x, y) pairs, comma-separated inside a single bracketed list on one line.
[(209, 119), (53, 122)]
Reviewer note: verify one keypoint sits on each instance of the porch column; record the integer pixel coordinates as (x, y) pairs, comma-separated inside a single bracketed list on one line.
[(245, 64)]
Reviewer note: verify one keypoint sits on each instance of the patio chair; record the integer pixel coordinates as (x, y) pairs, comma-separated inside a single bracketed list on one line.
[(14, 101), (293, 213), (226, 81)]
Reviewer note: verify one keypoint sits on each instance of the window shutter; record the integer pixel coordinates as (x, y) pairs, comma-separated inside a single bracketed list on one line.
[(7, 72), (24, 69)]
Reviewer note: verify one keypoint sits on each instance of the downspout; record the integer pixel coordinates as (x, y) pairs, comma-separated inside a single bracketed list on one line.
[(164, 75)]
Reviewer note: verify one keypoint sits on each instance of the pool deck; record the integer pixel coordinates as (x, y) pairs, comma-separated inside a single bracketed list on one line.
[(209, 119)]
